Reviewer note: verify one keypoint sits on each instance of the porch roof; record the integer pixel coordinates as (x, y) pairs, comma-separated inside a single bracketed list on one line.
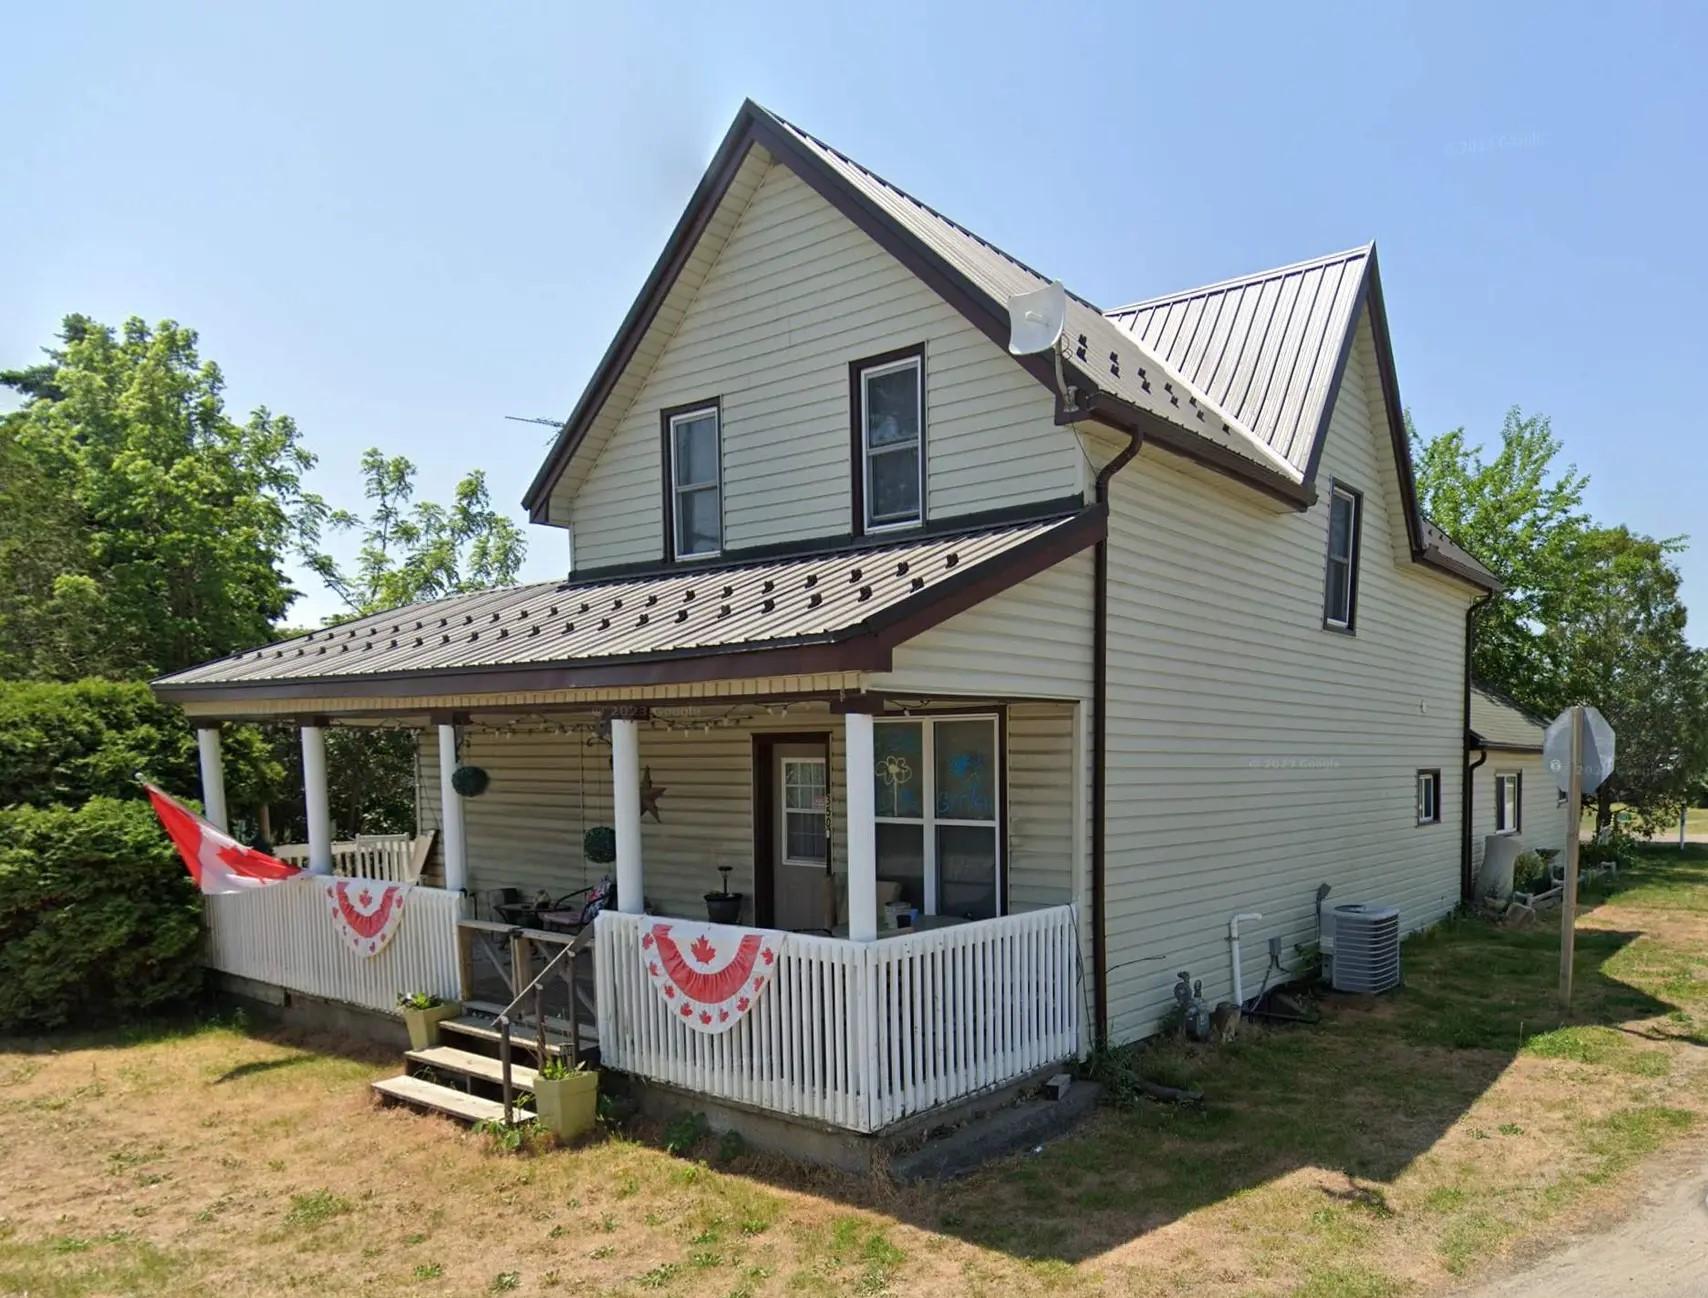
[(842, 609)]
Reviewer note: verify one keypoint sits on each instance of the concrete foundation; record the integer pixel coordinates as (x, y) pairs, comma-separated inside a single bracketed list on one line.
[(979, 1128), (304, 1013)]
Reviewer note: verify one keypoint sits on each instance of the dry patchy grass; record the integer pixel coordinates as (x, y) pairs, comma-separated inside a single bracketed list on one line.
[(1391, 1150)]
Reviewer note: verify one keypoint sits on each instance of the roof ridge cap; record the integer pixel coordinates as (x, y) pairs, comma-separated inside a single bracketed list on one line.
[(1308, 263)]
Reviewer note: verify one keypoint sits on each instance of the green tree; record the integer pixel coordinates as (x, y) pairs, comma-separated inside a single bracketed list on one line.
[(1622, 647), (1522, 516), (415, 549), (410, 550), (1588, 615), (144, 529)]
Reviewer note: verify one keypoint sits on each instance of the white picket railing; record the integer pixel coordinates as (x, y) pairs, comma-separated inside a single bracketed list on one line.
[(284, 935), (390, 857), (859, 1035)]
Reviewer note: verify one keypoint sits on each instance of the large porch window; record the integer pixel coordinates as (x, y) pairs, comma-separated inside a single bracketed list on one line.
[(937, 803)]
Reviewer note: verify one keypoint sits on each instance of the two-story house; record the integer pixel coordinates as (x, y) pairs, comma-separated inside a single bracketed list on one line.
[(1060, 666)]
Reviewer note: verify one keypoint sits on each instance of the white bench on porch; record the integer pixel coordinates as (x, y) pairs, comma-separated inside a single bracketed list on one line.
[(391, 858)]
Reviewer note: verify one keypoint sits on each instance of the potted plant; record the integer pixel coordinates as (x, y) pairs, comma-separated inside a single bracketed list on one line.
[(566, 1097), (724, 906), (422, 1013)]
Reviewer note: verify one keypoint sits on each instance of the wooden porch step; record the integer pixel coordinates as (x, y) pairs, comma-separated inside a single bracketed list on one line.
[(521, 1035), (448, 1059), (444, 1099)]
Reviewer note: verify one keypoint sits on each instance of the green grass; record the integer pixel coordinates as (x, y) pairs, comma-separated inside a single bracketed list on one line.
[(1391, 1151), (316, 1208)]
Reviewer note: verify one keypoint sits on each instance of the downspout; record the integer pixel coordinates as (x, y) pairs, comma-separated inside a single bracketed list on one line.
[(1100, 738), (1467, 885)]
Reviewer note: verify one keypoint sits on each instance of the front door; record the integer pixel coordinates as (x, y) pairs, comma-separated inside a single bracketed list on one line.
[(794, 841)]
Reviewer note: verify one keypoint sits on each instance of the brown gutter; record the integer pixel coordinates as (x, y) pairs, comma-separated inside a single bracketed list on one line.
[(1100, 742), (1468, 885)]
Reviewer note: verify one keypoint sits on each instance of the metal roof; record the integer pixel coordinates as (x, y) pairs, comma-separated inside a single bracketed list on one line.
[(1499, 722), (1266, 347), (1115, 361), (751, 607), (1447, 553)]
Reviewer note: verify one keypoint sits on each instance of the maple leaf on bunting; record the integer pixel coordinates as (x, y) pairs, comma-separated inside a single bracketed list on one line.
[(702, 950)]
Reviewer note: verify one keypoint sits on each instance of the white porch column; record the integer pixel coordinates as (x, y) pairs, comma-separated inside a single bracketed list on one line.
[(213, 776), (862, 832), (451, 813), (626, 814), (315, 802)]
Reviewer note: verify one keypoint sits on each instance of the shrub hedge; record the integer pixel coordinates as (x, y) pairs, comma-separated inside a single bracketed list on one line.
[(66, 743), (99, 920)]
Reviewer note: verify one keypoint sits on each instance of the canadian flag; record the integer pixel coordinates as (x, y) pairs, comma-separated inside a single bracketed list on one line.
[(217, 861)]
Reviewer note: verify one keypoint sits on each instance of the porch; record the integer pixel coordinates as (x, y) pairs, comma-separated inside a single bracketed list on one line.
[(915, 864)]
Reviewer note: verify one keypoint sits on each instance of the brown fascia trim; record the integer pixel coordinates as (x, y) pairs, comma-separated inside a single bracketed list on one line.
[(1155, 430), (726, 162), (862, 646), (1435, 558), (1369, 297), (753, 125)]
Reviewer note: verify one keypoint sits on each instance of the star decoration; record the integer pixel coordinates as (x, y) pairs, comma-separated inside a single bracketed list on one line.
[(650, 793)]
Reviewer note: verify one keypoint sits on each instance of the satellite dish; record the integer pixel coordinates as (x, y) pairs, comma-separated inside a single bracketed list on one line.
[(1036, 319)]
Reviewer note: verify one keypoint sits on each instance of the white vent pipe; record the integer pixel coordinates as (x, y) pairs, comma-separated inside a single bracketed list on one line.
[(1233, 953)]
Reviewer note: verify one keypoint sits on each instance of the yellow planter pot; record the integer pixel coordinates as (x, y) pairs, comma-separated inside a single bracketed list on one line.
[(567, 1106), (423, 1025)]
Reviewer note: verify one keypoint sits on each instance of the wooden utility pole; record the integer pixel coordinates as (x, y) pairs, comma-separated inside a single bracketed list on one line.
[(1574, 829)]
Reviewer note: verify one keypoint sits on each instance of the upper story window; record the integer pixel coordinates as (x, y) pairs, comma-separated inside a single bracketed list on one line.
[(693, 496), (888, 400), (1340, 594)]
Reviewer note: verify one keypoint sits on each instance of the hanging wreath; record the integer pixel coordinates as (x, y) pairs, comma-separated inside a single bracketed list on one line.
[(600, 844), (470, 781)]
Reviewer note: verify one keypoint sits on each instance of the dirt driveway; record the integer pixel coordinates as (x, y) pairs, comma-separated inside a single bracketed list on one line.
[(1659, 1251)]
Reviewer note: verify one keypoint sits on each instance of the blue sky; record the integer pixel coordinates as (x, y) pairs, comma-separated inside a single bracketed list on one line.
[(401, 223)]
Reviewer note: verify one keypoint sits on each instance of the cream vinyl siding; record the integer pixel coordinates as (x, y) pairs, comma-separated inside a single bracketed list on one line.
[(796, 293), (1540, 813), (525, 831), (1033, 639), (1251, 754)]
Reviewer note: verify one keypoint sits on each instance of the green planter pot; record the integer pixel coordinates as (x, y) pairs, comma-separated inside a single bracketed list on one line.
[(567, 1105), (424, 1024)]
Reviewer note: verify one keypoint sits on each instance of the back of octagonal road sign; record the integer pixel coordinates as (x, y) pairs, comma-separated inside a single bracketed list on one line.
[(1595, 758)]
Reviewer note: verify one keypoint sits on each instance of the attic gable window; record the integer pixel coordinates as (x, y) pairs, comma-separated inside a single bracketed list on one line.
[(888, 402), (1340, 590), (693, 486)]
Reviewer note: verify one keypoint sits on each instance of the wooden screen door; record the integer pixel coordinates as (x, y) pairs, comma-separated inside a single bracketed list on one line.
[(793, 886)]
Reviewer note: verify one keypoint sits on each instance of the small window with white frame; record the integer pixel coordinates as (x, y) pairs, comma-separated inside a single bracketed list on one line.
[(1429, 797), (806, 836), (693, 447), (1509, 794), (1340, 591), (889, 440)]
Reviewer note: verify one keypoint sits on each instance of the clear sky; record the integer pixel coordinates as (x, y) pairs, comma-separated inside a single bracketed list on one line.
[(400, 223)]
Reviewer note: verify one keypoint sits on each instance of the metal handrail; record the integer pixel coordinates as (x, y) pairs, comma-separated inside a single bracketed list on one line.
[(572, 948)]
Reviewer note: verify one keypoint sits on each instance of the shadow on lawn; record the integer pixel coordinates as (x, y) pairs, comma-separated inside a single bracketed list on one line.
[(1362, 1095)]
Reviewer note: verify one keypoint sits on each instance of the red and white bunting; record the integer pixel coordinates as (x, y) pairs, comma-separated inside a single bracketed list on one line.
[(710, 975), (366, 913)]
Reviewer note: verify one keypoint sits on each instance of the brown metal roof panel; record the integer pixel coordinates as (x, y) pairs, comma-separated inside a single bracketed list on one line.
[(804, 599)]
